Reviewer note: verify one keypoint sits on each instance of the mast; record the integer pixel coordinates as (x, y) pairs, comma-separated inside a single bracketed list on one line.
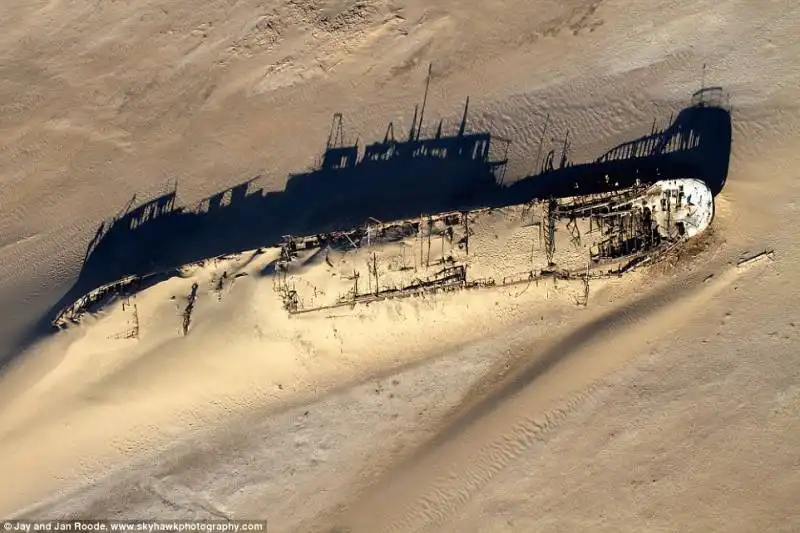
[(412, 133), (389, 133), (537, 168), (463, 125), (424, 100)]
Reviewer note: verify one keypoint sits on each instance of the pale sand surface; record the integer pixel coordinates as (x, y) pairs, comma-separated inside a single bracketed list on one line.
[(669, 403)]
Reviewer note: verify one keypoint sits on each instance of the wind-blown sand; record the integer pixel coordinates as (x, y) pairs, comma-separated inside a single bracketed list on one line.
[(669, 403)]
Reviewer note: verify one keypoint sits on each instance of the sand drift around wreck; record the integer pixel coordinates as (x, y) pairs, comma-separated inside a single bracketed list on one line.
[(459, 172), (579, 238)]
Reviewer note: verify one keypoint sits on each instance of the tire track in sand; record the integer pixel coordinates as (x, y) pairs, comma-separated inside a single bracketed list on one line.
[(506, 423)]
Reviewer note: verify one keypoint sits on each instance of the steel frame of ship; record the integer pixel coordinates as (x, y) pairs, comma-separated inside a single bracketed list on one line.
[(454, 278)]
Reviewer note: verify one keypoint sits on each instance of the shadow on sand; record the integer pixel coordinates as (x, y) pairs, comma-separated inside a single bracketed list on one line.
[(386, 180), (695, 144)]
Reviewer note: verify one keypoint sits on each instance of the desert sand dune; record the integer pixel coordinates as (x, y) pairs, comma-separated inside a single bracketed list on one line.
[(669, 402)]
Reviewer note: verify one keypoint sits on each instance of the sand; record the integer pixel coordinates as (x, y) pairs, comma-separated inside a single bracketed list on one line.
[(668, 403)]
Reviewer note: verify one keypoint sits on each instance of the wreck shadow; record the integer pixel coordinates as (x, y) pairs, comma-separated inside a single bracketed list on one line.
[(387, 180), (390, 180), (696, 144)]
